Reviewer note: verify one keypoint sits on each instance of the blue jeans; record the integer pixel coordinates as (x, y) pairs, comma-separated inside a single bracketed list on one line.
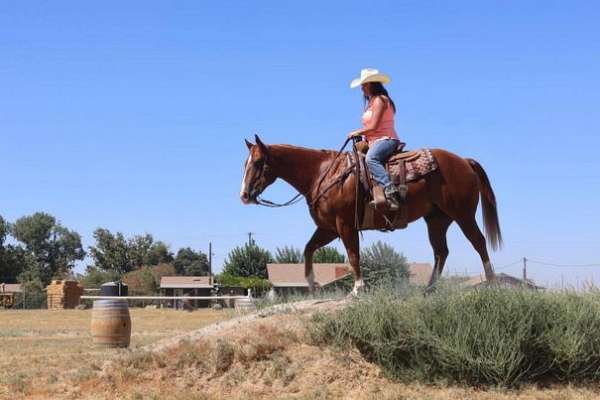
[(378, 154)]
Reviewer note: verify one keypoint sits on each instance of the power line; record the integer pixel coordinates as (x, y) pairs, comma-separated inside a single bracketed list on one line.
[(562, 265), (509, 265)]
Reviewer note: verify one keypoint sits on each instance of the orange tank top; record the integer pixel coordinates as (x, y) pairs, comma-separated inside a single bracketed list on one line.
[(385, 128)]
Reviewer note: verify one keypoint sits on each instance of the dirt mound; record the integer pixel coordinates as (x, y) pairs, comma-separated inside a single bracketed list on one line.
[(266, 355)]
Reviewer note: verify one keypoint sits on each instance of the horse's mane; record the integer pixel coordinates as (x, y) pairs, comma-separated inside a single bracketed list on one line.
[(305, 150)]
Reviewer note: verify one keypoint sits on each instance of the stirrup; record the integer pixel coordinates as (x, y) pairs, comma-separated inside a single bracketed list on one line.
[(393, 204), (390, 205)]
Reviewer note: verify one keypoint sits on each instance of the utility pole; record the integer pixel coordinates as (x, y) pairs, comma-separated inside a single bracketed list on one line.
[(249, 238), (525, 269)]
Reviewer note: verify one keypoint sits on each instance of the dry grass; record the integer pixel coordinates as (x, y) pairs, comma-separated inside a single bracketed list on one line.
[(265, 358), (43, 350)]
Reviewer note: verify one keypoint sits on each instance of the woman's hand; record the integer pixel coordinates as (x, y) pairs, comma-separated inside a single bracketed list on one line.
[(354, 134)]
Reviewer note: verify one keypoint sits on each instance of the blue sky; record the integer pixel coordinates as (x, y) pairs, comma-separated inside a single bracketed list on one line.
[(131, 115)]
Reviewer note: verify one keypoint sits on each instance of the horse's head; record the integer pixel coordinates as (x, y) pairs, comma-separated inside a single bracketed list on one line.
[(257, 172)]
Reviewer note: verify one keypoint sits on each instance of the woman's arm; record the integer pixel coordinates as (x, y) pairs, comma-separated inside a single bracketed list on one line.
[(378, 107)]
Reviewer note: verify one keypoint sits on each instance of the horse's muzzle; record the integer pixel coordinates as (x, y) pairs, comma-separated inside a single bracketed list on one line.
[(247, 198)]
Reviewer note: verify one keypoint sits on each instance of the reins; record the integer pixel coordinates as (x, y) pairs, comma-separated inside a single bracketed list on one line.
[(268, 203), (297, 197)]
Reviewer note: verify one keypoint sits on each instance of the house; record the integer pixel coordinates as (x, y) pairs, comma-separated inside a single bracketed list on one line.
[(419, 273), (289, 278), (504, 280), (8, 292), (187, 286)]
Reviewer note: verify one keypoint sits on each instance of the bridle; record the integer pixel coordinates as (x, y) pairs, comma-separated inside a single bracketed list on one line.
[(298, 196)]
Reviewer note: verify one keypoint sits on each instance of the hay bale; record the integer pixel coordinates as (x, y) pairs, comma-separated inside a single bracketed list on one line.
[(63, 294)]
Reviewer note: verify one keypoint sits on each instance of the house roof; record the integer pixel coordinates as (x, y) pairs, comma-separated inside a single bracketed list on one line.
[(10, 288), (292, 275), (185, 282), (502, 278), (420, 273)]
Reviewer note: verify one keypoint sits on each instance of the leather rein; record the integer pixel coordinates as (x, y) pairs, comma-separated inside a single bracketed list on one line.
[(340, 178)]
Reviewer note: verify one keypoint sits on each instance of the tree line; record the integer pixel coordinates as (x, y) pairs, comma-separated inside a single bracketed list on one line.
[(37, 248)]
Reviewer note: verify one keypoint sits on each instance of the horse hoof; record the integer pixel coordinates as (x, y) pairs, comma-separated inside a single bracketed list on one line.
[(429, 290)]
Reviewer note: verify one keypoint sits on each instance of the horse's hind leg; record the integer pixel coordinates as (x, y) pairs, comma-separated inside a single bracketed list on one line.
[(320, 238), (473, 233), (437, 227)]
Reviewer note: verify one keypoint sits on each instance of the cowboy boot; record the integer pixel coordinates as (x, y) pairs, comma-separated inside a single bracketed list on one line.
[(379, 201)]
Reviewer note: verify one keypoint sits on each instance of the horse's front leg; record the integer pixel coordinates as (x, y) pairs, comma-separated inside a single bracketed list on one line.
[(349, 235), (320, 238)]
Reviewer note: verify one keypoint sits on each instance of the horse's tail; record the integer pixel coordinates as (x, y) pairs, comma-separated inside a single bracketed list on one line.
[(489, 207)]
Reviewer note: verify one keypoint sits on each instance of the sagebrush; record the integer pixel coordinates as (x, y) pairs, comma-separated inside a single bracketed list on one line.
[(490, 336)]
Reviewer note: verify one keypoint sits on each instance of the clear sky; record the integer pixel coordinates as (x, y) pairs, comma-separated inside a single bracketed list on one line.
[(131, 115)]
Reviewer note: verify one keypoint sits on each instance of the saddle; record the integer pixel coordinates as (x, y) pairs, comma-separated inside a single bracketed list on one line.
[(403, 167)]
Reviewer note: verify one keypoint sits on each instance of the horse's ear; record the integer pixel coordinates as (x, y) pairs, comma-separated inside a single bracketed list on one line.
[(248, 144), (260, 144)]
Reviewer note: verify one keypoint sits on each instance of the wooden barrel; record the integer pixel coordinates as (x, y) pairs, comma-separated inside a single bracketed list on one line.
[(111, 323)]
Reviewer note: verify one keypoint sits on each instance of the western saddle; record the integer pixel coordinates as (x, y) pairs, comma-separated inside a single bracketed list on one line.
[(399, 159)]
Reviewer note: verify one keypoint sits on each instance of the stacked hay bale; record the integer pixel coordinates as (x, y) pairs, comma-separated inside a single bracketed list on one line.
[(64, 294)]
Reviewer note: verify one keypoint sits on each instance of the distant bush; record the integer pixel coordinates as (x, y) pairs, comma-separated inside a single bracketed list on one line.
[(248, 260), (94, 277), (328, 254), (145, 281), (32, 295), (381, 265), (288, 255), (258, 285), (487, 336)]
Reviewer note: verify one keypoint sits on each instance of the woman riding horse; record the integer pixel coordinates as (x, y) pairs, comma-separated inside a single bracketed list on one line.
[(378, 130), (448, 194)]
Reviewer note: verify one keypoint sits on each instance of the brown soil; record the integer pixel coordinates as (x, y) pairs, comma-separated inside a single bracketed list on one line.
[(265, 355)]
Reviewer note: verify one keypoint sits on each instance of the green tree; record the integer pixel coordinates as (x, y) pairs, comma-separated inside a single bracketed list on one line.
[(381, 265), (4, 230), (146, 280), (328, 254), (159, 254), (248, 260), (143, 250), (33, 295), (288, 255), (14, 259), (191, 263), (94, 277), (258, 286), (55, 248), (8, 270), (111, 252), (138, 249), (142, 281)]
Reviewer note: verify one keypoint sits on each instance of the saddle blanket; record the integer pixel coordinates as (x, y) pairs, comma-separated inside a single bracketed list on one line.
[(416, 167)]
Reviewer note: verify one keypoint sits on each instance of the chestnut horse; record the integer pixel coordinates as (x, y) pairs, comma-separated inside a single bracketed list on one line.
[(450, 193)]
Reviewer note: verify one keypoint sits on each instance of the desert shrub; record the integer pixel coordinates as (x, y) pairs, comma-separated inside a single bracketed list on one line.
[(381, 265), (493, 336)]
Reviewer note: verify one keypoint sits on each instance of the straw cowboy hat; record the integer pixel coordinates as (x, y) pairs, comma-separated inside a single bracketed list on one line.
[(369, 75)]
